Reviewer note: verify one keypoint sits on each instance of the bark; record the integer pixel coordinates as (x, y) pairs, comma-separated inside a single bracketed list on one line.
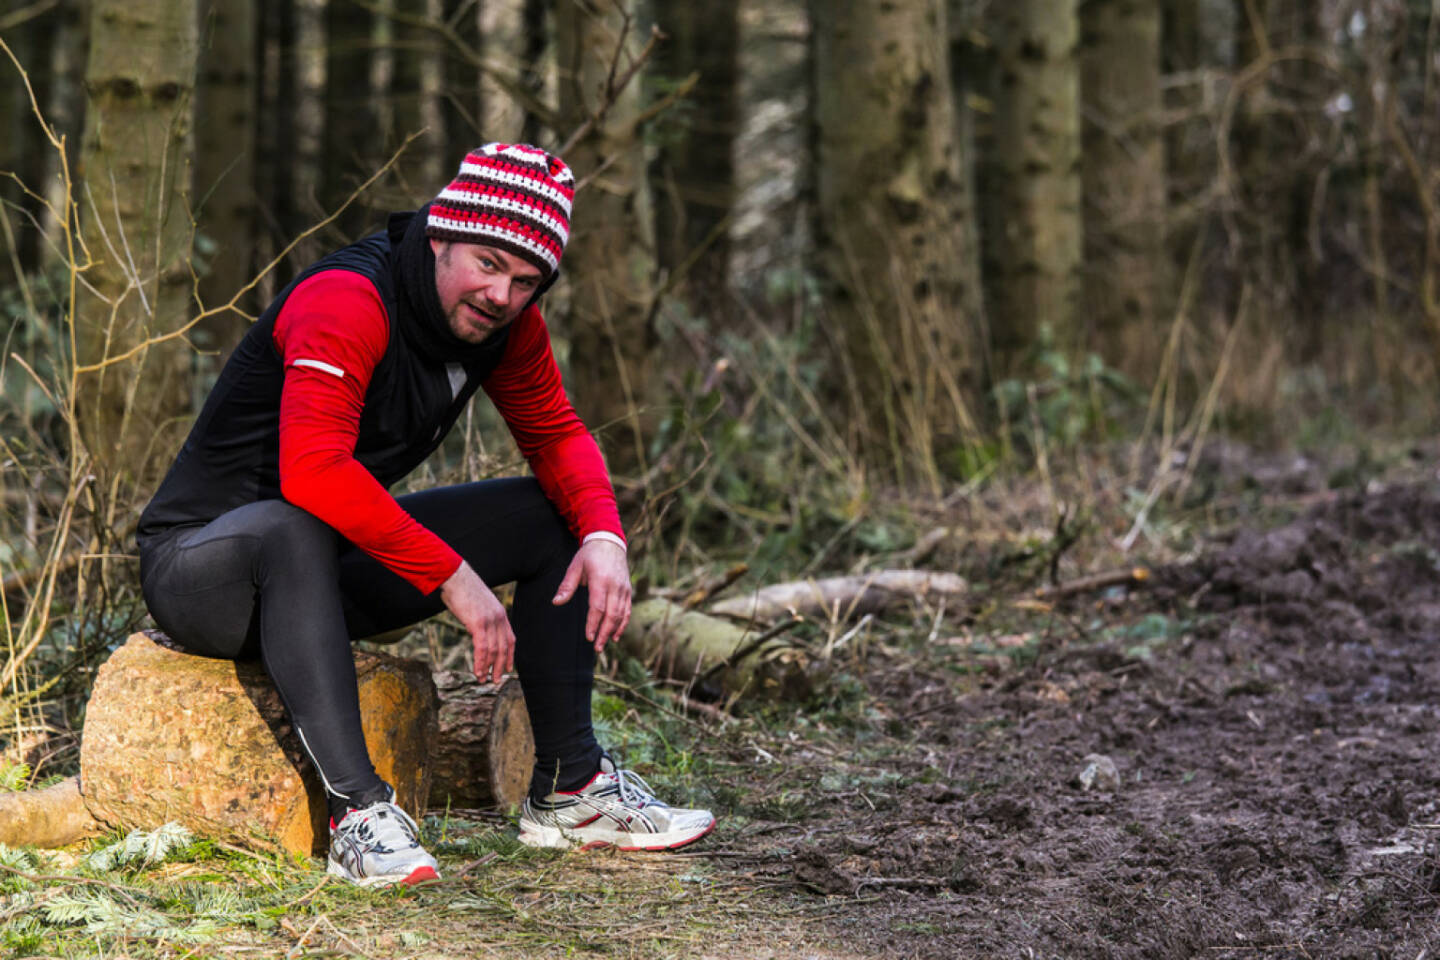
[(172, 736), (716, 659), (539, 63), (56, 65), (53, 817), (460, 108), (485, 752), (893, 218), (1033, 226), (610, 258), (1277, 153), (225, 164), (414, 102), (23, 148), (275, 143), (693, 176), (350, 150), (503, 43), (1189, 145), (136, 226), (843, 597), (1123, 176)]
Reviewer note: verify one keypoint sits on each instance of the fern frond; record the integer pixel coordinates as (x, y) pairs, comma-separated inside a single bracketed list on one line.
[(145, 847), (13, 776)]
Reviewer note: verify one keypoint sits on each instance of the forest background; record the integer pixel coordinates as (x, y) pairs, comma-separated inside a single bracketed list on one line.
[(836, 270)]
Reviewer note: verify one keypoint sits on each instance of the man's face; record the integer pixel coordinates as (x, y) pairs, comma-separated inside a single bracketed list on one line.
[(481, 288)]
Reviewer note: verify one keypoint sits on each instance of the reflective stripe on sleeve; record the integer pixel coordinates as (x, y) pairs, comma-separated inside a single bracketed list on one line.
[(329, 368)]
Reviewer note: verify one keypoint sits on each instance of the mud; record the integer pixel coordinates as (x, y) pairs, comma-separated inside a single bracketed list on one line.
[(1271, 710)]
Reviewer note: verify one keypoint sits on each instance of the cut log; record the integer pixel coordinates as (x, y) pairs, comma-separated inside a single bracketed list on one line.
[(842, 597), (51, 817), (173, 736), (716, 659), (486, 751)]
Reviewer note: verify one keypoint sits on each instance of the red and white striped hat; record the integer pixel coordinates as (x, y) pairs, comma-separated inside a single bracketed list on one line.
[(512, 196)]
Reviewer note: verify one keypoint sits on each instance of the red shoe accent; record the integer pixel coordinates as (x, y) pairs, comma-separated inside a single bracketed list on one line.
[(673, 846), (420, 875), (580, 789)]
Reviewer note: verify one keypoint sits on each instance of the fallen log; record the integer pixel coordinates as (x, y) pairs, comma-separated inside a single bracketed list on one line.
[(51, 817), (840, 598), (716, 659), (173, 736), (485, 752)]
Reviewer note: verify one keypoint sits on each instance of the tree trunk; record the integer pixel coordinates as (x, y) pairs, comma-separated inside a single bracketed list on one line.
[(414, 101), (53, 817), (275, 143), (1123, 174), (172, 736), (136, 227), (486, 752), (892, 226), (460, 107), (24, 148), (539, 63), (715, 658), (844, 597), (57, 72), (503, 42), (609, 259), (225, 165), (1033, 228), (350, 151), (693, 176)]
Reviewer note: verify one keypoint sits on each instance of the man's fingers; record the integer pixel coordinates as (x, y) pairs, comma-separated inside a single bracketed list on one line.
[(570, 581)]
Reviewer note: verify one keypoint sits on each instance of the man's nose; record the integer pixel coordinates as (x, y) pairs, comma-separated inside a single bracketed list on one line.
[(500, 290)]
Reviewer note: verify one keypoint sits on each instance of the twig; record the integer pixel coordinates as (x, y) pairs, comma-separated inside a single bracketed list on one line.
[(600, 678), (745, 649), (204, 314), (1132, 577), (708, 709), (615, 88), (712, 587), (12, 20), (64, 878)]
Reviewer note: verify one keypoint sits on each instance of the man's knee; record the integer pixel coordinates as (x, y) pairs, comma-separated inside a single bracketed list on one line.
[(291, 538)]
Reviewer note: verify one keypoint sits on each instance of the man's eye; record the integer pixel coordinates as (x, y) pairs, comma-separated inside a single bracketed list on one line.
[(487, 263)]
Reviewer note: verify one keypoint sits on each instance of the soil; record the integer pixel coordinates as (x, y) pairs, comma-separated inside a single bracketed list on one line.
[(1257, 728)]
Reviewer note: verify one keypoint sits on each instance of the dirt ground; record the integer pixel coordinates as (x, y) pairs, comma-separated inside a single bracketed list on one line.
[(1270, 710)]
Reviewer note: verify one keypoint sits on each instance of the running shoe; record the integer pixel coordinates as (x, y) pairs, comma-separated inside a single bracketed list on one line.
[(377, 846), (615, 809)]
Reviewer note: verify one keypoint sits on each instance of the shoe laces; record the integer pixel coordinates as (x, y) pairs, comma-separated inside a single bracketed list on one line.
[(633, 788), (380, 824)]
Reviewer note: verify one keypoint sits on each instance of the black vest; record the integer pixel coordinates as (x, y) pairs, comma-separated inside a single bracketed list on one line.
[(232, 455)]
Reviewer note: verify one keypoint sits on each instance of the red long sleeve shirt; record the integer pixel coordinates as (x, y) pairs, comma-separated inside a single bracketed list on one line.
[(331, 334)]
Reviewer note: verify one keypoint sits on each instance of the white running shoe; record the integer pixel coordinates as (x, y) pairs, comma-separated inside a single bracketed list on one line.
[(615, 809), (377, 846)]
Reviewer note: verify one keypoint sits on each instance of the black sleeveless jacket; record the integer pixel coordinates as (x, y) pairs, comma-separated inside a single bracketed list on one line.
[(232, 455)]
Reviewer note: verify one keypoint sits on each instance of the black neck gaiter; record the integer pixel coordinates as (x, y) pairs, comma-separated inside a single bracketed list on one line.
[(422, 321)]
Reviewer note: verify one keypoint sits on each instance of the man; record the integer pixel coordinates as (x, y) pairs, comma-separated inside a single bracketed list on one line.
[(273, 534)]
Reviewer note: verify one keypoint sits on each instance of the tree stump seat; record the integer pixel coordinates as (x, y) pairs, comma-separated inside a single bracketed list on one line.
[(170, 735)]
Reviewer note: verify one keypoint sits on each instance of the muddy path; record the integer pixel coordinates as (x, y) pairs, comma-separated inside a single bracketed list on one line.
[(1271, 713)]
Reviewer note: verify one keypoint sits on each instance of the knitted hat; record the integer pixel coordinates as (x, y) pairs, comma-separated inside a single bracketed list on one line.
[(512, 196)]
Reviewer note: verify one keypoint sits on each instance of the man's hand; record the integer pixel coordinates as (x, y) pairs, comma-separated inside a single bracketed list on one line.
[(601, 566), (481, 612)]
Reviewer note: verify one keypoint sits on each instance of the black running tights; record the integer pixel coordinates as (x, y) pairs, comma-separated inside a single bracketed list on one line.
[(270, 580)]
